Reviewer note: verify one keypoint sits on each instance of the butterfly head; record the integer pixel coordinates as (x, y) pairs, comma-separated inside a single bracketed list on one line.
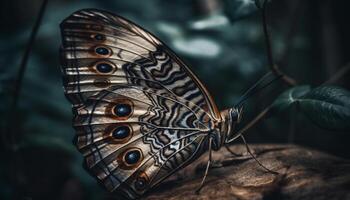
[(230, 118), (236, 115)]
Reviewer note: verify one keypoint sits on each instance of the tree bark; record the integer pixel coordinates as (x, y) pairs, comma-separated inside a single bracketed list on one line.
[(302, 174)]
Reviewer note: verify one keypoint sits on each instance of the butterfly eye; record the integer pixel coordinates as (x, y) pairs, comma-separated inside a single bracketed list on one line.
[(234, 116), (122, 110), (102, 51)]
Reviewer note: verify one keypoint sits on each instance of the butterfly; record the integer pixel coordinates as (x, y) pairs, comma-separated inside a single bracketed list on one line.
[(140, 114)]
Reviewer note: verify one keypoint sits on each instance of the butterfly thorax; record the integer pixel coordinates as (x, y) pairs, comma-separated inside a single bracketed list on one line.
[(229, 118)]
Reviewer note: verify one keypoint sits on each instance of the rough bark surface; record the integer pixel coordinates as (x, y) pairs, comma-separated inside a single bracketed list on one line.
[(303, 174)]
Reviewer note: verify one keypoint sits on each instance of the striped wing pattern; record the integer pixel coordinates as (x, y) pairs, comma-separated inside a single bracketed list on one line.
[(140, 114)]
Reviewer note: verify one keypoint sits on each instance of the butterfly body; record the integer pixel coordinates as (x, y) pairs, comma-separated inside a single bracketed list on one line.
[(140, 113)]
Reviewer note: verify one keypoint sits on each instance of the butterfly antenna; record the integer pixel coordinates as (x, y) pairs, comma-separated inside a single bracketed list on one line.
[(262, 83), (249, 125)]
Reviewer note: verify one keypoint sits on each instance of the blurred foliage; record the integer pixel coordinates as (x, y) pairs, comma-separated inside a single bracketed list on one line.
[(223, 44), (237, 9)]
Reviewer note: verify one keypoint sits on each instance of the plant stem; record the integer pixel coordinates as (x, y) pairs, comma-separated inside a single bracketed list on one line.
[(296, 8), (273, 67), (12, 144), (341, 72), (19, 78), (24, 61)]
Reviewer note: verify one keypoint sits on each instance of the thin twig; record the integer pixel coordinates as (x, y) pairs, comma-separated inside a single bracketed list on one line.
[(23, 64), (341, 72), (294, 17), (267, 38), (273, 67), (292, 125), (11, 145), (19, 78)]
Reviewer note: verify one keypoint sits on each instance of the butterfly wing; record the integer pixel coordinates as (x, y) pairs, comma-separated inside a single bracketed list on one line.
[(140, 113)]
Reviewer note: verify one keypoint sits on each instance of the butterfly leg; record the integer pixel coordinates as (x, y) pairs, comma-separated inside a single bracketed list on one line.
[(250, 152), (207, 168), (233, 153)]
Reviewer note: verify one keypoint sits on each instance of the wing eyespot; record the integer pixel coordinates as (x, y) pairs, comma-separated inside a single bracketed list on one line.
[(119, 134), (102, 82), (120, 109), (102, 51), (99, 37), (94, 27), (130, 158), (104, 67), (141, 181)]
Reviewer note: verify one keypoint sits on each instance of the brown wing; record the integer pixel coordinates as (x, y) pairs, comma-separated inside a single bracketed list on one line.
[(140, 113), (91, 37)]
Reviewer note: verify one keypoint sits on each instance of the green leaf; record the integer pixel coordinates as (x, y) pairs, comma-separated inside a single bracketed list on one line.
[(326, 106), (289, 98)]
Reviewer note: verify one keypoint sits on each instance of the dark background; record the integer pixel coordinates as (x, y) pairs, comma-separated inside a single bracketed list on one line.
[(222, 42)]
